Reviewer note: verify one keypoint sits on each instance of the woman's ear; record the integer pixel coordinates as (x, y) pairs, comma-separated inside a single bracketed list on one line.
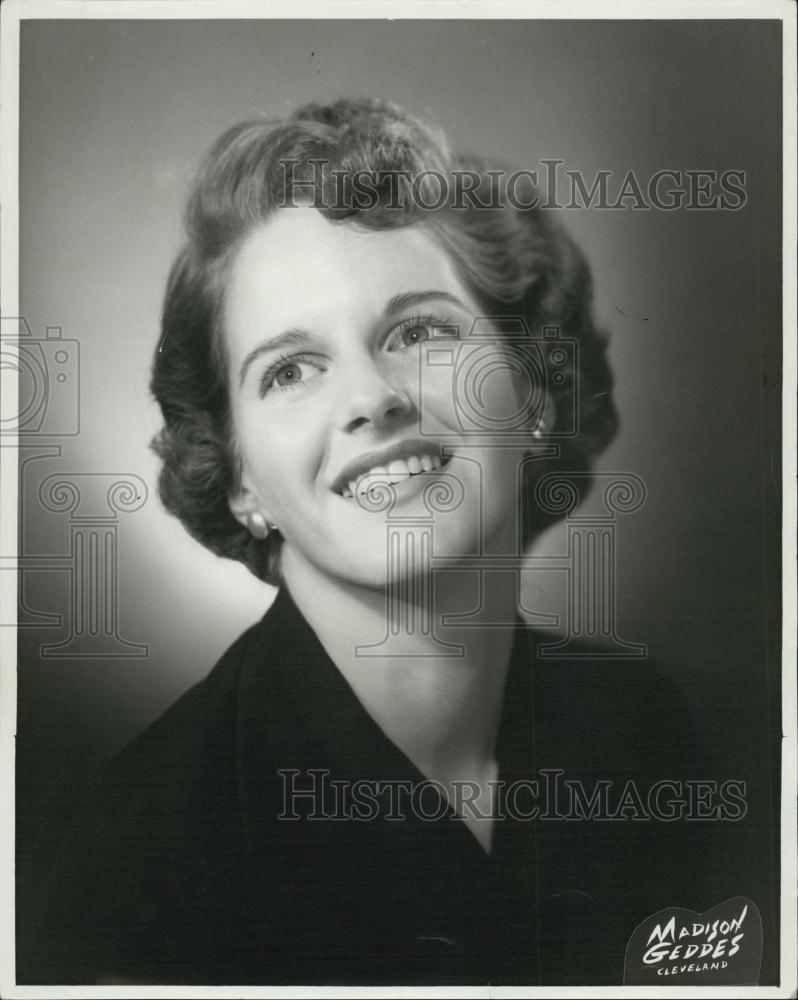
[(249, 513), (546, 420), (245, 506), (242, 505)]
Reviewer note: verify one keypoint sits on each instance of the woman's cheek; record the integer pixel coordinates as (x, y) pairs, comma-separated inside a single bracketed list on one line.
[(438, 398), (481, 390)]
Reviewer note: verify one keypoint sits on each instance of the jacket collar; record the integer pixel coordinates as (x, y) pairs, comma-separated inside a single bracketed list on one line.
[(297, 711)]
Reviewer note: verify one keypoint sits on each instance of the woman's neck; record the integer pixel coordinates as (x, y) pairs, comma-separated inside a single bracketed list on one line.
[(442, 711)]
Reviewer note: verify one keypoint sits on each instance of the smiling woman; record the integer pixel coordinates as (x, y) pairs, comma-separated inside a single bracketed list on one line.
[(316, 377)]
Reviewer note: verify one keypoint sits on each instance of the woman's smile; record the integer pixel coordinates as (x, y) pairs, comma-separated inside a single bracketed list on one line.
[(393, 465)]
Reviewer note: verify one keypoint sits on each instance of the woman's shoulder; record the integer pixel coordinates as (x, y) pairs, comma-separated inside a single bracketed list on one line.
[(159, 823), (191, 746)]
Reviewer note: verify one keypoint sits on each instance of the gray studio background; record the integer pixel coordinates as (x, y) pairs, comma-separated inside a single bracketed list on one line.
[(114, 115)]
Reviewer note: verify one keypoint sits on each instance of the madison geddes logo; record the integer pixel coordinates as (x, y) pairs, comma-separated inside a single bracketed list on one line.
[(677, 947)]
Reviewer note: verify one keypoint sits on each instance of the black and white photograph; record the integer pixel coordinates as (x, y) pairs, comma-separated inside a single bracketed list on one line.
[(398, 492)]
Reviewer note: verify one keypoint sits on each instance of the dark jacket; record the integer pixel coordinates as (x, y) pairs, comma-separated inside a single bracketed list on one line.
[(181, 871)]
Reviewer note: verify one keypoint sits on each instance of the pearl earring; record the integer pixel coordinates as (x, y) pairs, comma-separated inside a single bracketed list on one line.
[(258, 526)]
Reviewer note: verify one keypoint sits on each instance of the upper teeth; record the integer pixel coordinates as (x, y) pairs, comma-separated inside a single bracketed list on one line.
[(394, 472)]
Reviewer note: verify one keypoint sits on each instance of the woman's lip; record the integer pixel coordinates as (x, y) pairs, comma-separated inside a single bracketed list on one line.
[(401, 450), (404, 486)]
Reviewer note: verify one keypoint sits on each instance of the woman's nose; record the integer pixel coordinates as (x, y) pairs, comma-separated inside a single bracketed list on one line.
[(369, 397)]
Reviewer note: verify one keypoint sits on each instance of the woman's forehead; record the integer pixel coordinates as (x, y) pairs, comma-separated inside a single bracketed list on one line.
[(298, 267)]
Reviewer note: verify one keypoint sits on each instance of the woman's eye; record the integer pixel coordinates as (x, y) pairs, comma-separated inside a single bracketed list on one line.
[(287, 374), (415, 334), (420, 330)]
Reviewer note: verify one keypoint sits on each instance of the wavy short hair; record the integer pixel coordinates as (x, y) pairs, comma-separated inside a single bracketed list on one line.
[(517, 262)]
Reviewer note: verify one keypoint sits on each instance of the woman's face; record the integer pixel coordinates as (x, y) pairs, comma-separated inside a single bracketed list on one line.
[(333, 391)]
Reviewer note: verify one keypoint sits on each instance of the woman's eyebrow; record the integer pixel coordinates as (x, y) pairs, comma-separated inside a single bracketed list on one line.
[(407, 300), (296, 335)]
